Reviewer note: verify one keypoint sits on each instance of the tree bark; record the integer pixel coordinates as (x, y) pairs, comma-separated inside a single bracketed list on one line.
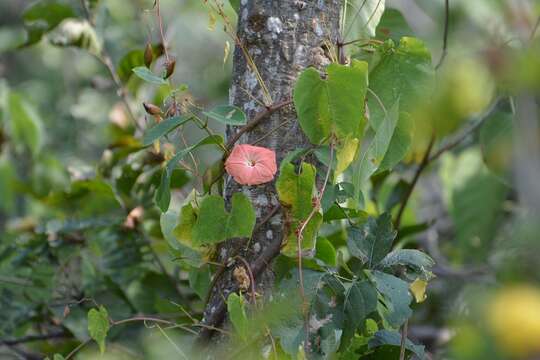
[(282, 38)]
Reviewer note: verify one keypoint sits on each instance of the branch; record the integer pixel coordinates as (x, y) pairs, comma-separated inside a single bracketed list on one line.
[(215, 318), (31, 338), (445, 36), (461, 137), (423, 164), (256, 121)]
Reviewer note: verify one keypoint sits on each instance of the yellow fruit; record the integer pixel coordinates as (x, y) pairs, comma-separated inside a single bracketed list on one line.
[(514, 318)]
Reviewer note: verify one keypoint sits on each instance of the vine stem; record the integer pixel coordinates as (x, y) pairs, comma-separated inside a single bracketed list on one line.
[(303, 226), (445, 34), (403, 340)]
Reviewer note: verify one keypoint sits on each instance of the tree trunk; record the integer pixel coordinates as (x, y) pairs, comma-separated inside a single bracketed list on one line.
[(282, 38)]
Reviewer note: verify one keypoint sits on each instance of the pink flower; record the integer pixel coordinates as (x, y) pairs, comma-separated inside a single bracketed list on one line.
[(251, 165)]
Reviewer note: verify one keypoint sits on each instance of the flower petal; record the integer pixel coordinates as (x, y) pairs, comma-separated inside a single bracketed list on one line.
[(251, 165)]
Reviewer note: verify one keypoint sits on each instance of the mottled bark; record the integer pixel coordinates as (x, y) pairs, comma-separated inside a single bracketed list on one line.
[(283, 38)]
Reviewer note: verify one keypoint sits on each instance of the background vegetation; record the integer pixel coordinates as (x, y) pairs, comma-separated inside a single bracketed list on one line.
[(79, 224)]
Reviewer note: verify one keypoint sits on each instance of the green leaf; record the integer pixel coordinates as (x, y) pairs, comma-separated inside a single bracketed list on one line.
[(188, 218), (130, 60), (474, 197), (237, 314), (360, 301), (77, 33), (403, 74), (163, 128), (497, 143), (366, 15), (133, 59), (214, 224), (415, 259), (393, 25), (325, 251), (58, 357), (98, 326), (369, 161), (199, 281), (25, 124), (43, 16), (345, 154), (228, 115), (332, 106), (144, 73), (163, 192), (295, 192), (371, 242), (393, 338), (396, 298), (7, 185)]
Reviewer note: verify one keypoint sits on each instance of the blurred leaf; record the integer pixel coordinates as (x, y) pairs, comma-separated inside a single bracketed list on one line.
[(397, 195), (144, 73), (474, 197), (42, 17), (403, 74), (228, 115), (7, 185), (334, 105), (371, 242), (393, 26), (295, 192), (98, 326), (386, 337), (325, 251), (369, 161), (163, 128), (163, 192), (415, 259), (364, 16), (184, 230), (214, 224), (77, 33), (418, 289), (25, 124), (199, 280), (396, 298), (496, 142), (237, 314), (133, 59), (345, 154)]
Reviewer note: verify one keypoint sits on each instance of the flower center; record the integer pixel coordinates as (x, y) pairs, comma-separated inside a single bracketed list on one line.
[(251, 163)]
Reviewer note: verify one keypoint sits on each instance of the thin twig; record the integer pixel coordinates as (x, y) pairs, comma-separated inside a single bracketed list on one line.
[(403, 340), (461, 137), (423, 164), (77, 349), (256, 121), (445, 34), (308, 219), (160, 22), (31, 338), (105, 59)]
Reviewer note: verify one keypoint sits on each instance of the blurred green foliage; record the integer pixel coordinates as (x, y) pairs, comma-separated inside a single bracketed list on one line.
[(79, 185)]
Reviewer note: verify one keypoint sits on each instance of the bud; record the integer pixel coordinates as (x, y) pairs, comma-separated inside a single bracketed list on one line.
[(151, 109), (170, 67), (148, 55)]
